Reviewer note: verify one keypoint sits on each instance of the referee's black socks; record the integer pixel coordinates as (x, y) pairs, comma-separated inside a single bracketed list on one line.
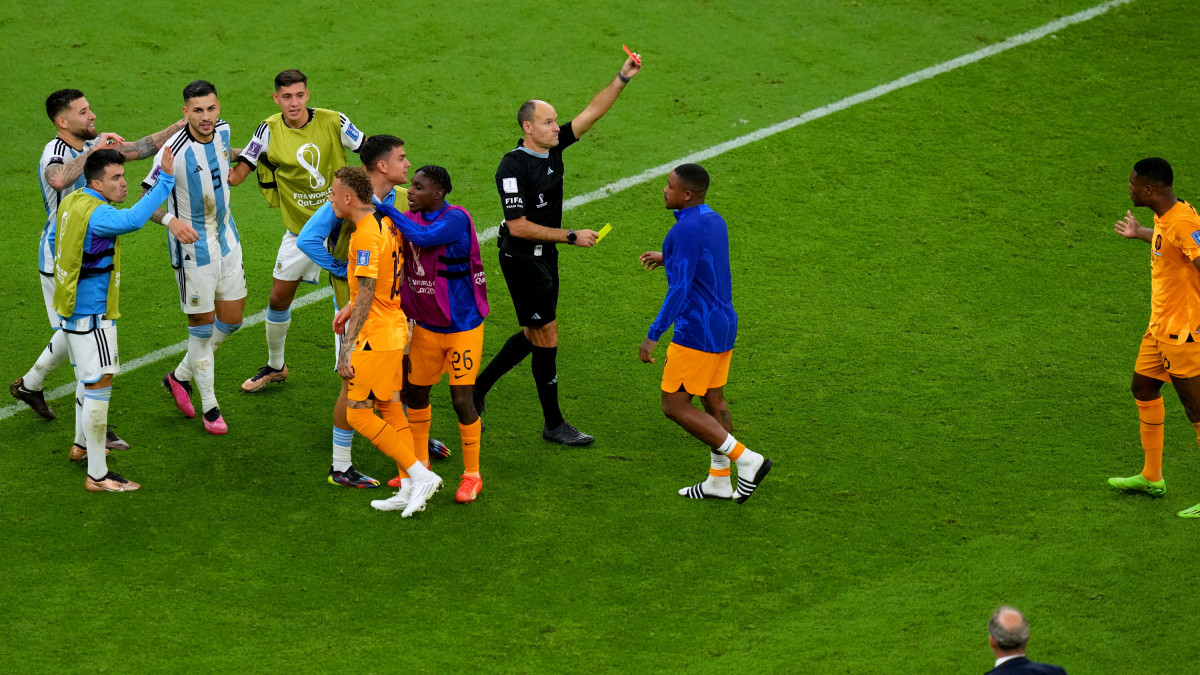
[(512, 353), (545, 374)]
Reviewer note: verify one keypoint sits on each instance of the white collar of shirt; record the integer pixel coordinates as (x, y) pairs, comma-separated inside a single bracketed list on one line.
[(1010, 657)]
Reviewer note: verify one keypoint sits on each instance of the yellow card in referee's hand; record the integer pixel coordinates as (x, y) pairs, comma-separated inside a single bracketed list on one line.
[(603, 231)]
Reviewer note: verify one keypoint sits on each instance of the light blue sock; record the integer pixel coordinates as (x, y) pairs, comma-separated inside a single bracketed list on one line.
[(278, 315), (201, 332), (224, 330), (343, 439)]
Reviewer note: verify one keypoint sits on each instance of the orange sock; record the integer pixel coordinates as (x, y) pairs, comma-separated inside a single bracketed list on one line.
[(470, 446), (1151, 415), (421, 420), (393, 441), (393, 413), (718, 473), (736, 452)]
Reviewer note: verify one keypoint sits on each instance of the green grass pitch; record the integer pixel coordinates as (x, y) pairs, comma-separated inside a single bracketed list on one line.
[(937, 331)]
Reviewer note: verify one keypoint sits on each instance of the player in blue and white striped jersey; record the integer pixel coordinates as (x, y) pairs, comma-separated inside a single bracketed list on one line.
[(60, 172), (212, 281)]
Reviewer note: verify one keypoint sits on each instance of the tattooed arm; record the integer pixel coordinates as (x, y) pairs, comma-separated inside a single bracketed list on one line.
[(146, 147), (358, 316), (59, 176)]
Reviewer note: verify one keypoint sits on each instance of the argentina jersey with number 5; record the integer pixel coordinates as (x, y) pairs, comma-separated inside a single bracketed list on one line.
[(200, 196)]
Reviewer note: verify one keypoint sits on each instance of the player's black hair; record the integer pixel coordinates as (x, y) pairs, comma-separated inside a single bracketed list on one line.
[(438, 175), (60, 101), (290, 77), (96, 163), (1155, 170), (356, 179), (693, 177), (525, 112), (197, 89), (376, 147)]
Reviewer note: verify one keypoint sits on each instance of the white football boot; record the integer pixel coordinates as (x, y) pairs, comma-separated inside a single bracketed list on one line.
[(421, 492), (396, 502)]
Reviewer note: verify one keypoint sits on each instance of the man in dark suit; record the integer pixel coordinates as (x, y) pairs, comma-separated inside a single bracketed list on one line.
[(1008, 633)]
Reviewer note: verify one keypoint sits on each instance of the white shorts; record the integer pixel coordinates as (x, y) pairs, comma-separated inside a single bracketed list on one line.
[(48, 296), (92, 348), (222, 279), (337, 339), (292, 265)]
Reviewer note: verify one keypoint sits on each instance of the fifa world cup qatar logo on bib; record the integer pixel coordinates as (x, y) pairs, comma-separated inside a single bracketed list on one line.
[(304, 154), (416, 258)]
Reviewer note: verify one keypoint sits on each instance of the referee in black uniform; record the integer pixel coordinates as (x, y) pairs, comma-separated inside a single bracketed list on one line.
[(530, 182)]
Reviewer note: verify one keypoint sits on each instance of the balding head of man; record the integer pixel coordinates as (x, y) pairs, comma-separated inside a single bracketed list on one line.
[(1008, 632), (539, 122)]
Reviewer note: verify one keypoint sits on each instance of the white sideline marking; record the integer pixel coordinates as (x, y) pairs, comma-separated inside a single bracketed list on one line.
[(68, 389), (910, 79), (663, 169)]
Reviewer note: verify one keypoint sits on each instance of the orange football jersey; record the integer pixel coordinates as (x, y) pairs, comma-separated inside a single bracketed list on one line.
[(374, 252), (1175, 281)]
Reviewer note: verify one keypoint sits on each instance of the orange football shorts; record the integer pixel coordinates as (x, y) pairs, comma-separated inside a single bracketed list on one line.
[(1163, 360), (694, 370), (432, 354), (376, 375)]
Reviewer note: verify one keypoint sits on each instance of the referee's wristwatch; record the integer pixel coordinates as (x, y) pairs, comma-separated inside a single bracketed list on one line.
[(571, 237)]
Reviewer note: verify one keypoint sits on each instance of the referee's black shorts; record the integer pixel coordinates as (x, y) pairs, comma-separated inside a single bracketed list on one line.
[(533, 284)]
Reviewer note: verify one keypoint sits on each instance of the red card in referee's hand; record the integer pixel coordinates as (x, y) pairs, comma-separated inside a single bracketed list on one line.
[(636, 59)]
